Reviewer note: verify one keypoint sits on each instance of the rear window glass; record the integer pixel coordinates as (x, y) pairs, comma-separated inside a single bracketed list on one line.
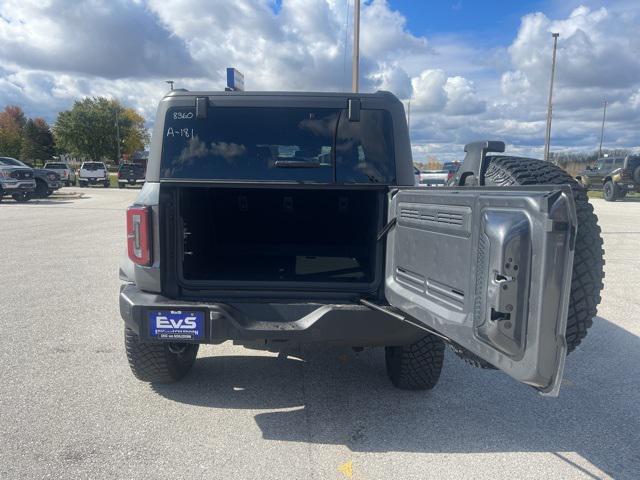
[(93, 166), (55, 165), (129, 168), (276, 144)]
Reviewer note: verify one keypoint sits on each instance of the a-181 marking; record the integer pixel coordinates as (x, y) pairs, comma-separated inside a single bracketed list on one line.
[(180, 132)]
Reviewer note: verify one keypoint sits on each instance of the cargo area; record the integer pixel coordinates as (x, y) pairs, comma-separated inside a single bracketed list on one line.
[(294, 237)]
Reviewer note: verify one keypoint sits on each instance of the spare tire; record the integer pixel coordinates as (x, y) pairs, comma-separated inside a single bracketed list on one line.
[(588, 261)]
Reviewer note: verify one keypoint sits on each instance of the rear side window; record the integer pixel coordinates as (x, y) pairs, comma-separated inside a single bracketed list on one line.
[(364, 149), (274, 144)]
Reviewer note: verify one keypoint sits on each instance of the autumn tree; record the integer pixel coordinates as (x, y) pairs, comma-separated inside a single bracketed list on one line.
[(12, 121)]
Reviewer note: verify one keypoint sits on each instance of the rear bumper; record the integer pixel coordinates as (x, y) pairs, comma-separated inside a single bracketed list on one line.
[(131, 181), (274, 325), (93, 181)]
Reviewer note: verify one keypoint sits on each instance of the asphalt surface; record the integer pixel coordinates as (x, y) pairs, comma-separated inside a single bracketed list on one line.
[(70, 407)]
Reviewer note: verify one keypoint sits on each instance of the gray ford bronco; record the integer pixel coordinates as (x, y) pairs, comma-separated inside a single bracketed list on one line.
[(278, 219)]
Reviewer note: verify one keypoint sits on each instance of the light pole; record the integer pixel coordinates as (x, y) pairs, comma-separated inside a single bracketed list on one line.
[(356, 47), (118, 135), (170, 82), (604, 114), (547, 139)]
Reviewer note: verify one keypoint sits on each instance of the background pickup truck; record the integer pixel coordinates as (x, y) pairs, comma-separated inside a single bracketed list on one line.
[(130, 174), (93, 173)]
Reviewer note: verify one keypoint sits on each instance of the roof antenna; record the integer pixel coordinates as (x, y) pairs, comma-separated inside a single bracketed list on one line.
[(170, 82)]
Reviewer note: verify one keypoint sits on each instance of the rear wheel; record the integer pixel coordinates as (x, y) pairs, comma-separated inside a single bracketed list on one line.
[(416, 366), (609, 191), (106, 184), (158, 362), (587, 274)]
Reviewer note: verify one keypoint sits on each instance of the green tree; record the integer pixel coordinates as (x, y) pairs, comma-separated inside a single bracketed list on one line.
[(12, 120), (89, 128), (37, 141)]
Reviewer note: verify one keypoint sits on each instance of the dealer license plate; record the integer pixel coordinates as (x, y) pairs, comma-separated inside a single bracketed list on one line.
[(176, 324)]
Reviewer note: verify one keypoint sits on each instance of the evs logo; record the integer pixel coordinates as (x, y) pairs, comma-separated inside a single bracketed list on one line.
[(177, 325), (186, 323)]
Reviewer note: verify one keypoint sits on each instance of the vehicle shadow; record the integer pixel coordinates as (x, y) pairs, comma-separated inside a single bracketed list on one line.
[(41, 201), (345, 398)]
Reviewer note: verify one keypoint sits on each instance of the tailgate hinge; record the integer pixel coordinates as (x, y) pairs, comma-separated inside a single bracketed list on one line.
[(394, 314)]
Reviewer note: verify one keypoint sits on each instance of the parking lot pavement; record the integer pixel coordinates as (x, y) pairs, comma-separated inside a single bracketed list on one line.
[(71, 409)]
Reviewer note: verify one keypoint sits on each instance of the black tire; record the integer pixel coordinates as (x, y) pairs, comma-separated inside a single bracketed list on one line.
[(416, 366), (22, 197), (609, 191), (106, 185), (587, 275), (41, 189), (121, 185), (83, 184), (156, 362), (49, 193)]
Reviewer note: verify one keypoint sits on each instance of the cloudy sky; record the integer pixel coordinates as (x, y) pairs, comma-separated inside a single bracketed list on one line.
[(471, 69)]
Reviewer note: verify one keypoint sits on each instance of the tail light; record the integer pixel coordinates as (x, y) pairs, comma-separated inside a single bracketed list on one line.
[(139, 235)]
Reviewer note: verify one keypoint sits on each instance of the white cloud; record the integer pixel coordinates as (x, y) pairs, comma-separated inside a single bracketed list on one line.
[(53, 52)]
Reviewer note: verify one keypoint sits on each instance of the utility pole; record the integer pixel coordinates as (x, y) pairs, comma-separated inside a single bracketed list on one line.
[(356, 47), (604, 114), (547, 140), (118, 135)]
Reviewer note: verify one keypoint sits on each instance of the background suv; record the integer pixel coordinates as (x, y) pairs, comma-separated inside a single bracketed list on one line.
[(615, 176)]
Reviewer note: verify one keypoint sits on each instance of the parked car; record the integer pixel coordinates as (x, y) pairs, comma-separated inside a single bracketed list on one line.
[(242, 233), (615, 176), (47, 181), (67, 175), (130, 174), (16, 179), (93, 173), (441, 177)]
